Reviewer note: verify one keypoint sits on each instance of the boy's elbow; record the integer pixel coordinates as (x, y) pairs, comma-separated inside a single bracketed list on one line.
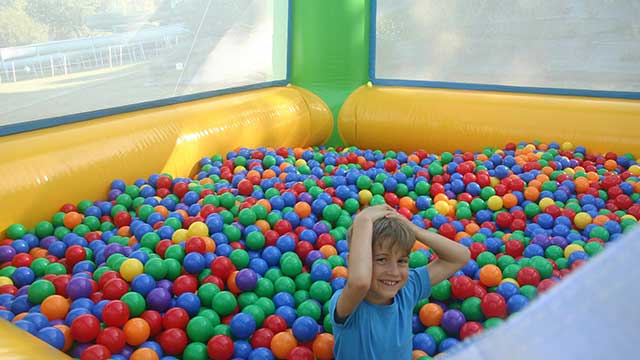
[(465, 256), (358, 285)]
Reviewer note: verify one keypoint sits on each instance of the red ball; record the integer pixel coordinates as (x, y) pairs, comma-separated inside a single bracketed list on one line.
[(282, 227), (220, 347), (222, 267), (180, 189), (113, 338), (514, 248), (390, 165), (115, 313), (214, 280), (115, 288), (173, 341), (96, 352), (391, 199), (22, 259), (164, 182), (154, 319), (504, 219), (185, 283), (106, 276), (175, 318), (479, 291), (275, 323), (245, 187), (447, 230), (325, 239), (462, 287), (300, 353), (8, 289), (122, 218), (261, 338), (162, 247), (494, 305), (546, 284), (476, 249), (60, 283), (528, 276), (470, 328), (303, 248), (85, 328), (195, 244)]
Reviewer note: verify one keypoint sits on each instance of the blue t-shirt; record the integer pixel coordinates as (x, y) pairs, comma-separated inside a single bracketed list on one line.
[(380, 331)]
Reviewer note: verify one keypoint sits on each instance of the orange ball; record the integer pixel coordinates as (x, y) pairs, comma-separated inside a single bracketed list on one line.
[(282, 343), (231, 283), (430, 314), (209, 244), (509, 201), (323, 346), (137, 331), (19, 316), (66, 332), (302, 209), (263, 225), (418, 354), (54, 307), (144, 354), (610, 165), (490, 275), (408, 203), (328, 250), (339, 271), (531, 194), (72, 219)]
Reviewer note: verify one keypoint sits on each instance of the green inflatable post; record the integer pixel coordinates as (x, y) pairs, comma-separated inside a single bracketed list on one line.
[(330, 50)]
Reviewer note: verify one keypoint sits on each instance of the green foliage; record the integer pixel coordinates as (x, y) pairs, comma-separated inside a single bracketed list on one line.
[(17, 27)]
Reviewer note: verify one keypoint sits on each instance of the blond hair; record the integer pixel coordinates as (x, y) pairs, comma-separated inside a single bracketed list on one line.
[(389, 233)]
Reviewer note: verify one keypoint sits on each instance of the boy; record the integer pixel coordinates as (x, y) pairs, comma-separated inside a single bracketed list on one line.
[(372, 314)]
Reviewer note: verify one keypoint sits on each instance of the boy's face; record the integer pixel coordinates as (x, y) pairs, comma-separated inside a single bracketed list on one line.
[(389, 274)]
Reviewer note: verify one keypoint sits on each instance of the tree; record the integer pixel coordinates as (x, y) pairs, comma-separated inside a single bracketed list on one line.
[(17, 27), (65, 18)]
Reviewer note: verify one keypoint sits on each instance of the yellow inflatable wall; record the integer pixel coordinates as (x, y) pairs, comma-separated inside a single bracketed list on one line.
[(437, 120), (43, 169)]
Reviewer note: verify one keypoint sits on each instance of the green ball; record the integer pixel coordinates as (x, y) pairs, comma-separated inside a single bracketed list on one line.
[(222, 329), (303, 281), (210, 315), (487, 192), (291, 266), (335, 260), (464, 213), (136, 303), (504, 261), (562, 263), (511, 271), (232, 233), (150, 240), (255, 240), (285, 284), (363, 182), (492, 322), (227, 200), (554, 252), (264, 288), (16, 231), (157, 268), (531, 210), (418, 259), (529, 291), (175, 252), (300, 296), (309, 308), (206, 292), (256, 312), (224, 303), (441, 291), (524, 262), (331, 213), (199, 329), (478, 204), (321, 291), (44, 229), (174, 269), (485, 258), (273, 274), (435, 169), (39, 266), (247, 298), (247, 217), (55, 268), (326, 323), (196, 351), (239, 258), (600, 233), (267, 306), (40, 290), (544, 267), (471, 309), (422, 187), (593, 248), (437, 333)]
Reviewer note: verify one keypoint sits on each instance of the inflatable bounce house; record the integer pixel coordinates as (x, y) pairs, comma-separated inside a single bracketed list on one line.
[(177, 177)]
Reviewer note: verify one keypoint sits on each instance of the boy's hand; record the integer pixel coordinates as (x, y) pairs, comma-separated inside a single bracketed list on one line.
[(374, 213)]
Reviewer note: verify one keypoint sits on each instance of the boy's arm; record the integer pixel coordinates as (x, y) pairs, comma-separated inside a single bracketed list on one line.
[(452, 256), (360, 261)]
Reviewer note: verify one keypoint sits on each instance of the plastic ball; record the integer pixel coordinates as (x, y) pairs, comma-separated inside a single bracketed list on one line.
[(55, 307), (220, 347), (85, 328)]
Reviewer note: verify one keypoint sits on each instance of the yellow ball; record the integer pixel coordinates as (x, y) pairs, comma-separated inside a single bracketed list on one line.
[(365, 197), (300, 162), (634, 170), (494, 181), (505, 280), (567, 146), (570, 249), (545, 203), (198, 228), (582, 219), (131, 268), (495, 203), (569, 171), (179, 236), (238, 169), (628, 216), (442, 207), (5, 281)]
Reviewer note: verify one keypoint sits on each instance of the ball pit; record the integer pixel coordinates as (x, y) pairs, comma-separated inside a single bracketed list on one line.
[(240, 261)]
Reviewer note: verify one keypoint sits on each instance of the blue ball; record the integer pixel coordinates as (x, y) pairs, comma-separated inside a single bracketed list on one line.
[(39, 320), (305, 328), (283, 299), (20, 304), (516, 303), (242, 325), (424, 342), (73, 314), (320, 271), (153, 346), (97, 308), (507, 290), (288, 314), (533, 250), (261, 353), (6, 315), (241, 349), (577, 255), (23, 276), (190, 302), (51, 336), (447, 344), (416, 324), (271, 255), (193, 263), (143, 284), (26, 326)]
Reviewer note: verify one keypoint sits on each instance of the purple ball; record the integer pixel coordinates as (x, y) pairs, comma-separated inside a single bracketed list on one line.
[(112, 249), (320, 228), (305, 197), (542, 240), (126, 251), (246, 279), (79, 349), (79, 287), (182, 206), (165, 284), (47, 241), (113, 194), (312, 257), (127, 351), (559, 241), (159, 299), (56, 322), (7, 253), (23, 290), (452, 321)]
